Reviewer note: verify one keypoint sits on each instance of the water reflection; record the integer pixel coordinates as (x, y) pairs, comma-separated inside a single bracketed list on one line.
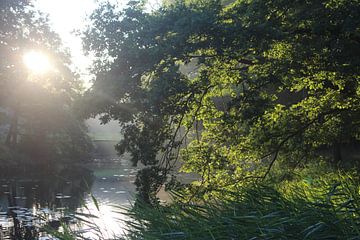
[(56, 190), (33, 198), (113, 186), (65, 196)]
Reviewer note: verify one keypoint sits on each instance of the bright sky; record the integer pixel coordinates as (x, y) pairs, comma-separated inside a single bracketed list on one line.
[(65, 17), (69, 15)]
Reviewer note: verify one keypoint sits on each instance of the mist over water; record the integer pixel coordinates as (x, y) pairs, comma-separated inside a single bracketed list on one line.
[(98, 131)]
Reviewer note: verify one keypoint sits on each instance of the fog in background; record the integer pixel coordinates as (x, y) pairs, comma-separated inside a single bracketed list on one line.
[(98, 131)]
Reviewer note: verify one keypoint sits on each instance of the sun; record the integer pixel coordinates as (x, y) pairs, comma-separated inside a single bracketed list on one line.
[(37, 62)]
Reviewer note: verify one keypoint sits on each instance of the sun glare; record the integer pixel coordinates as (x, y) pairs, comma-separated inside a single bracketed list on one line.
[(37, 62)]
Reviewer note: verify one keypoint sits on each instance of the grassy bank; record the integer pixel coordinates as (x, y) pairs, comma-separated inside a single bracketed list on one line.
[(326, 207)]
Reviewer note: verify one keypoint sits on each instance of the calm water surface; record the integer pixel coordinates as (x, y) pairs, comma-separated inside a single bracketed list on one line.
[(73, 190), (113, 186)]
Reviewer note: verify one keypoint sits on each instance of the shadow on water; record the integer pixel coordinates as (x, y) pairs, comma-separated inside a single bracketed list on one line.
[(33, 198), (43, 189)]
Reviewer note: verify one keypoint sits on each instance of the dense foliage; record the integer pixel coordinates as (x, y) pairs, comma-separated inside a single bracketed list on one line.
[(319, 208), (36, 109), (233, 90)]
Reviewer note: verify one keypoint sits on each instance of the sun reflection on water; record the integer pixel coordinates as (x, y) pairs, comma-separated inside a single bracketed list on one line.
[(108, 222)]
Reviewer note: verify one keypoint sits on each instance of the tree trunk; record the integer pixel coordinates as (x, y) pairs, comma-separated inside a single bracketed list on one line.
[(12, 136)]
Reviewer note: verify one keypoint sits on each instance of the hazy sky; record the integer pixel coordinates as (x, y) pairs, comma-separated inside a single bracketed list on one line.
[(66, 16), (69, 15)]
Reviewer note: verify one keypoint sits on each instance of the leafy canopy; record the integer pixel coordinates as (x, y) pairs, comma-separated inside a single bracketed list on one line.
[(230, 89)]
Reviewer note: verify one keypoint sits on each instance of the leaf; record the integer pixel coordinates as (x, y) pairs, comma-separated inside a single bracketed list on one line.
[(95, 202), (313, 229)]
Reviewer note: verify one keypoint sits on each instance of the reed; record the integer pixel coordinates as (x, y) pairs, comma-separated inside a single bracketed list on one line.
[(324, 208)]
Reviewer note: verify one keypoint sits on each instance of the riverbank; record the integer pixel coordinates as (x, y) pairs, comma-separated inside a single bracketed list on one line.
[(311, 207)]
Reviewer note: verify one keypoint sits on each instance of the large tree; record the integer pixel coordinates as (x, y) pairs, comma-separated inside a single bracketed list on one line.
[(39, 106), (234, 88)]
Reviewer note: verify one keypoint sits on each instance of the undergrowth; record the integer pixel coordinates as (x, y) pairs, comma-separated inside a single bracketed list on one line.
[(326, 207)]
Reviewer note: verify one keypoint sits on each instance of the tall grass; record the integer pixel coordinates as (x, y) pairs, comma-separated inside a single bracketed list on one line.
[(324, 208)]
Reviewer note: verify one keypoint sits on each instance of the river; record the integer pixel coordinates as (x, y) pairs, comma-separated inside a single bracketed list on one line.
[(106, 183)]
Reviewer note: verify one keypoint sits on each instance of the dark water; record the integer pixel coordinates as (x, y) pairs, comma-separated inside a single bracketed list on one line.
[(71, 193), (41, 189)]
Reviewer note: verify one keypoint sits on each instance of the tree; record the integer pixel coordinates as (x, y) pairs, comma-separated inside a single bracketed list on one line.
[(39, 106), (242, 86)]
